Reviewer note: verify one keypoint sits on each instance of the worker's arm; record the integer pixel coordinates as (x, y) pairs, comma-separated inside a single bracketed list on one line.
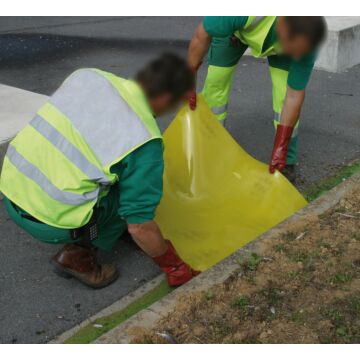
[(149, 238), (212, 26), (140, 189), (292, 106), (290, 114), (198, 47)]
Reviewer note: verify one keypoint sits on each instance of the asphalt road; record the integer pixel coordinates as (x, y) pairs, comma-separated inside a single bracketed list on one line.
[(36, 54)]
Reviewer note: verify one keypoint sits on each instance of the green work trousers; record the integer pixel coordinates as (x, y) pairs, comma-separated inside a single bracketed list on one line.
[(110, 225)]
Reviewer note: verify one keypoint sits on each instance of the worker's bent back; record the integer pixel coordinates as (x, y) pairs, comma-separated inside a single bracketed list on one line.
[(58, 166)]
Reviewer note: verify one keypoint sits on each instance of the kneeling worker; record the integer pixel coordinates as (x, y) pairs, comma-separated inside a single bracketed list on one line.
[(90, 164)]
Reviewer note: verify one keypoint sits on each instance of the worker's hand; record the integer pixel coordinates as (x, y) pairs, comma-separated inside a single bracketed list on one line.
[(281, 145), (177, 271), (192, 94)]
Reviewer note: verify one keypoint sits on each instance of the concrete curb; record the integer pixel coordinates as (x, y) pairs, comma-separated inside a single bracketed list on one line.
[(18, 106), (113, 308), (341, 50), (147, 318)]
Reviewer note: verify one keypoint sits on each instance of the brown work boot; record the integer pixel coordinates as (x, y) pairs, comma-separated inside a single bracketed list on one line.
[(80, 262)]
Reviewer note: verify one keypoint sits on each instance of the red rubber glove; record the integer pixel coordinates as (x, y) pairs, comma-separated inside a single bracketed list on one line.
[(177, 272), (192, 100), (280, 149)]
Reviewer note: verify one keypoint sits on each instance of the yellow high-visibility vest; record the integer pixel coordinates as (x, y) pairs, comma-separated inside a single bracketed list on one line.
[(254, 34), (58, 166)]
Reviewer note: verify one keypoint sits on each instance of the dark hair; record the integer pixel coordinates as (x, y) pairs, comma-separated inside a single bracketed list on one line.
[(169, 73), (312, 27)]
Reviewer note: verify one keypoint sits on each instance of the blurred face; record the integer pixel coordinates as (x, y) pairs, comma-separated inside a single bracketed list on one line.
[(161, 104), (295, 46)]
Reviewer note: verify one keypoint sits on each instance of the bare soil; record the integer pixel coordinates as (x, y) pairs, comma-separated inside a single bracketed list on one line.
[(305, 288)]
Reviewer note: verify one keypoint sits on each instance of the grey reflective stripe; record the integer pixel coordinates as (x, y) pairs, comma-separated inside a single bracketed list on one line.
[(254, 23), (33, 173), (217, 110), (277, 116), (99, 113), (295, 132), (73, 154), (223, 122)]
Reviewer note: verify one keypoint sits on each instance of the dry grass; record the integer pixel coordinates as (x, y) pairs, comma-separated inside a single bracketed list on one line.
[(305, 289)]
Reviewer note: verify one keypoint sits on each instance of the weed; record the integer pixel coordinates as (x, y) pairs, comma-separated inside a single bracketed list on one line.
[(334, 314), (356, 236), (281, 248), (254, 261), (89, 333), (209, 295), (293, 274), (298, 317), (341, 332), (353, 304), (241, 302), (249, 265), (250, 278), (300, 257), (324, 185), (272, 295), (341, 278), (307, 258), (342, 313)]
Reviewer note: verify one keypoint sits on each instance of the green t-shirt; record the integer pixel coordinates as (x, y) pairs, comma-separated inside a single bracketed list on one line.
[(140, 182), (299, 70)]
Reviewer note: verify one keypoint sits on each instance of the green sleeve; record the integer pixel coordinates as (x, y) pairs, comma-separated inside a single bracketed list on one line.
[(140, 182), (222, 26), (300, 71)]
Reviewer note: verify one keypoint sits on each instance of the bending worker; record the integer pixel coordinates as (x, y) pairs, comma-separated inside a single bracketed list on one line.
[(290, 45), (89, 165)]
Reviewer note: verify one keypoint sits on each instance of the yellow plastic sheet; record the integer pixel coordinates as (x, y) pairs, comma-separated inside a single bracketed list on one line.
[(217, 198)]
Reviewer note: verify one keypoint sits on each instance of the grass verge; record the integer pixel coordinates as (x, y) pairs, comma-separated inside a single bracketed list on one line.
[(102, 325), (313, 192)]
